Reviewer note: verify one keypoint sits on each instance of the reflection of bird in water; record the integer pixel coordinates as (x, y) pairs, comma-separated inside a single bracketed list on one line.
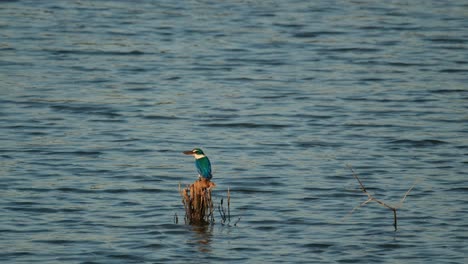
[(202, 163)]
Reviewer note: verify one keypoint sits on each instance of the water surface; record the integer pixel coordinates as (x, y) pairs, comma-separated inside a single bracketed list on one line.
[(99, 98)]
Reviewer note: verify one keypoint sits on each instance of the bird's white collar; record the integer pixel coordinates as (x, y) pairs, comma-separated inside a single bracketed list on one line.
[(199, 156)]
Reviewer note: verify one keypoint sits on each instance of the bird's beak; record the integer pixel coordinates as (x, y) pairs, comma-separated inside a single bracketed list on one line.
[(188, 152)]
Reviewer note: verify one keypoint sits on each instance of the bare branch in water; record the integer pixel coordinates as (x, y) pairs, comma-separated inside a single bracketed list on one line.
[(355, 208), (372, 198), (406, 194)]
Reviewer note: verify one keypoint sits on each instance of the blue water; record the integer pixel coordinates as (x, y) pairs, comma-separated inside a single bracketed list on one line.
[(98, 99)]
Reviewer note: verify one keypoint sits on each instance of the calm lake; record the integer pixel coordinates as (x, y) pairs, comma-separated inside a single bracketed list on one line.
[(98, 99)]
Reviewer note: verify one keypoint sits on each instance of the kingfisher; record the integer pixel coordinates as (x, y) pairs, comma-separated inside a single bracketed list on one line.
[(201, 162)]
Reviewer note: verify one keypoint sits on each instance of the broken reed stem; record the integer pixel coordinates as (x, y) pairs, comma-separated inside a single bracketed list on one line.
[(225, 213), (372, 198), (221, 211)]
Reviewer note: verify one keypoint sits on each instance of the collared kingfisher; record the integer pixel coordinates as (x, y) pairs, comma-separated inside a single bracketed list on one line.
[(201, 162)]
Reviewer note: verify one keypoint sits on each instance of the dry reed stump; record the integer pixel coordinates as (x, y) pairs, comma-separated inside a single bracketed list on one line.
[(197, 202)]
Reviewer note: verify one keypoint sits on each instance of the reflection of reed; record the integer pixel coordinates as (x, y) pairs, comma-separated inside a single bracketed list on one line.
[(197, 202), (203, 234)]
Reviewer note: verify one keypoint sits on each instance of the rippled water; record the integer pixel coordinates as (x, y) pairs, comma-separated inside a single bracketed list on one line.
[(99, 98)]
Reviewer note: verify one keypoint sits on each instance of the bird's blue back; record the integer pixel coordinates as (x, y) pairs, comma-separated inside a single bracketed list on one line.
[(204, 167)]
